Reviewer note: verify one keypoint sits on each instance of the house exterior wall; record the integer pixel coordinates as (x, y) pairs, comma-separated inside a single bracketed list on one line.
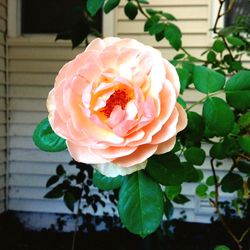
[(33, 64), (3, 91)]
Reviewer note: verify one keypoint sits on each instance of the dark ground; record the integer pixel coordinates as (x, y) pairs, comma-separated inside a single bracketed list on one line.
[(187, 236)]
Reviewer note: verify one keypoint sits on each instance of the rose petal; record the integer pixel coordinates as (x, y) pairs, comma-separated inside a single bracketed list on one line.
[(142, 153), (166, 146), (168, 130), (114, 152), (84, 154), (182, 121), (112, 170), (172, 76)]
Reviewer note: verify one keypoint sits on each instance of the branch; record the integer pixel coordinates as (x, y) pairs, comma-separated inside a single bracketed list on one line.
[(219, 15), (141, 9), (217, 209)]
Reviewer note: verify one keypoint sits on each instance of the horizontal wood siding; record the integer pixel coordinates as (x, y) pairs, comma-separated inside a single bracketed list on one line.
[(3, 143), (33, 65)]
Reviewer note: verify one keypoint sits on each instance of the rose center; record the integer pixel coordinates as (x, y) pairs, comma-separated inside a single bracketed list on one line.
[(120, 98)]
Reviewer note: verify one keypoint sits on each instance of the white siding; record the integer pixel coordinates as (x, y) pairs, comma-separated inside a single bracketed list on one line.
[(33, 64), (2, 106)]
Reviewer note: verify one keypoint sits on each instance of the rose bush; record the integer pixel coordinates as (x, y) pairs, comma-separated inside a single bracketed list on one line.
[(115, 104)]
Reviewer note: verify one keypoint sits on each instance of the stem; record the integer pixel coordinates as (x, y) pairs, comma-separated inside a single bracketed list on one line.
[(77, 219), (203, 99), (217, 209), (216, 186), (244, 157), (219, 15), (188, 54), (141, 9), (244, 234)]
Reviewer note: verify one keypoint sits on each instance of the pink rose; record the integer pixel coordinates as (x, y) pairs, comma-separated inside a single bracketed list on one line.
[(115, 104)]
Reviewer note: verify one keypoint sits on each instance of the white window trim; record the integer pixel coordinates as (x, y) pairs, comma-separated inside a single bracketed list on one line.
[(14, 22)]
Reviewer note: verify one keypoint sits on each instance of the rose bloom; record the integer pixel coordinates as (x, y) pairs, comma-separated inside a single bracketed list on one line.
[(115, 104)]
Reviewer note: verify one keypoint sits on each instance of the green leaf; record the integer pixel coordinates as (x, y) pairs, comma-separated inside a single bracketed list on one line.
[(221, 247), (244, 120), (183, 76), (218, 45), (110, 5), (218, 117), (211, 56), (195, 155), (69, 200), (201, 190), (106, 183), (210, 180), (156, 28), (172, 191), (228, 30), (159, 36), (217, 151), (144, 1), (179, 56), (181, 102), (79, 33), (131, 10), (207, 80), (140, 204), (152, 12), (94, 5), (244, 142), (194, 131), (168, 209), (168, 16), (190, 173), (52, 180), (235, 41), (231, 182), (243, 167), (238, 90), (173, 35), (165, 169), (45, 138), (60, 170), (55, 193), (181, 199), (236, 129)]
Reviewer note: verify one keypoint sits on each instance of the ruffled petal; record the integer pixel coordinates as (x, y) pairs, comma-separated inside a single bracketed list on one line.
[(84, 154), (166, 146), (141, 154)]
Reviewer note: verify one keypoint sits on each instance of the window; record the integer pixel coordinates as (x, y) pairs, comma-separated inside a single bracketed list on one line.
[(53, 16), (241, 8)]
